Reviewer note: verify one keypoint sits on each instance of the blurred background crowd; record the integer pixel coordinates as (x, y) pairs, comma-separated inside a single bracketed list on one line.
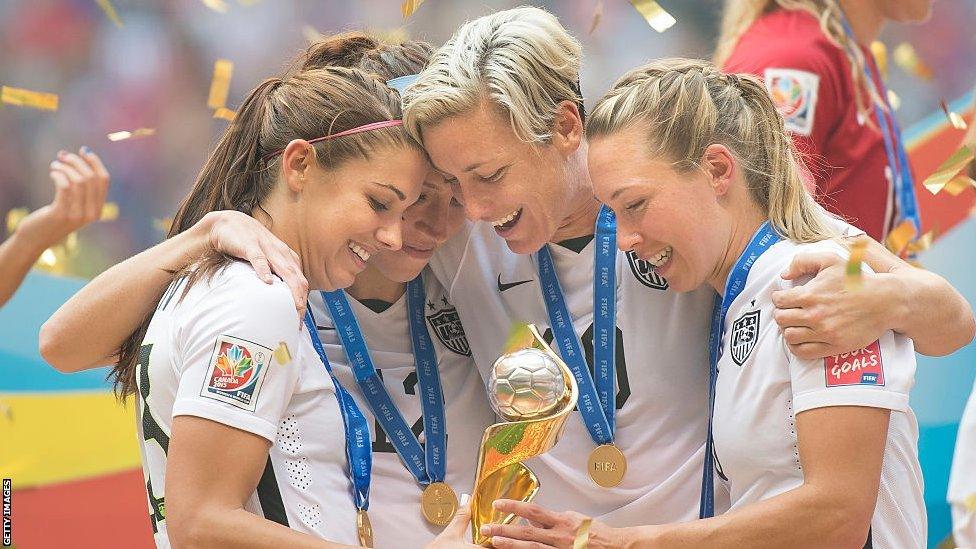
[(155, 71)]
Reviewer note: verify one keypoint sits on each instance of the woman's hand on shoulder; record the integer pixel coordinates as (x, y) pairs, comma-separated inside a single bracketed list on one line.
[(240, 235)]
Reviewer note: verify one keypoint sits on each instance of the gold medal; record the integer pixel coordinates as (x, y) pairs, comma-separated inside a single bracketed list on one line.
[(439, 503), (364, 528), (607, 465)]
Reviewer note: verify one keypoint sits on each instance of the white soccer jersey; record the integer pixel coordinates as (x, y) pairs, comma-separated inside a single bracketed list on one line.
[(210, 355), (762, 386), (962, 481), (661, 371), (394, 493)]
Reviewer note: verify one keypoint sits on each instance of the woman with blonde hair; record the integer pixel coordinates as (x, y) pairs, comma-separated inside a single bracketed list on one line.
[(815, 59), (815, 453)]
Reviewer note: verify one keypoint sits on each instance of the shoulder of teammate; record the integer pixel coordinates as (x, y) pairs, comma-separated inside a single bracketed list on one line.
[(227, 336), (447, 259), (878, 375), (803, 70)]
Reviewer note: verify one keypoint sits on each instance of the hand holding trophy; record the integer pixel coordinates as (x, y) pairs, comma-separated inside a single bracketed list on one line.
[(533, 390)]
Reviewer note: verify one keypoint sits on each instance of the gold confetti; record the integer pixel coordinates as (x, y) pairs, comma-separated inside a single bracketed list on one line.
[(921, 243), (894, 100), (110, 211), (656, 16), (949, 169), (14, 217), (909, 61), (597, 15), (409, 6), (71, 244), (954, 118), (141, 132), (106, 6), (225, 114), (311, 34), (163, 224), (900, 236), (220, 84), (852, 274), (970, 503), (880, 53), (282, 354), (958, 184), (28, 98), (48, 258), (218, 6)]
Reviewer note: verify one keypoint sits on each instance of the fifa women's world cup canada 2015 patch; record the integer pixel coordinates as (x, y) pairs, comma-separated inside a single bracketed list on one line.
[(860, 367), (237, 371), (795, 94)]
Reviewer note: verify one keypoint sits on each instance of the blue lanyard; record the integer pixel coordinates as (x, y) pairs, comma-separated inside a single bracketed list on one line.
[(901, 172), (426, 463), (358, 450), (764, 238), (597, 403)]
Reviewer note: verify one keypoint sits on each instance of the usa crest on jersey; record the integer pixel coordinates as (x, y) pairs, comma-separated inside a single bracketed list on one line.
[(644, 272), (745, 333), (795, 94), (446, 325)]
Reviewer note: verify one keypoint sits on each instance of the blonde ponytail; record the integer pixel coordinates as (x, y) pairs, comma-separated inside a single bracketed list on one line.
[(739, 15), (686, 105)]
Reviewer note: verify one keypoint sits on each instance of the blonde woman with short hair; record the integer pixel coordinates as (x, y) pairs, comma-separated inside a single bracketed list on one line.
[(816, 453)]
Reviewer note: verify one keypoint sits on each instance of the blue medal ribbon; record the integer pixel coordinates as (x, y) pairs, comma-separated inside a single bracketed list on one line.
[(764, 238), (359, 452), (901, 171), (427, 463), (597, 403)]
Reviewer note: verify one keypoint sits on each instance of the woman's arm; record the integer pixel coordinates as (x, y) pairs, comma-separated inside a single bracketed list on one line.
[(80, 186), (206, 510), (833, 507), (822, 318), (88, 329)]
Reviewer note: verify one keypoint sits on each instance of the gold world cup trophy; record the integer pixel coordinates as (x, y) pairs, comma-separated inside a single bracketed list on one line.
[(533, 390)]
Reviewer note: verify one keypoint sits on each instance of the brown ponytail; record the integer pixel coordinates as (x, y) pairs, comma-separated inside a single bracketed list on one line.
[(303, 105)]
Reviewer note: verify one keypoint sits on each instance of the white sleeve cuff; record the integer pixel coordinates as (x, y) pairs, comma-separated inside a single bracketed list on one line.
[(850, 396), (228, 415)]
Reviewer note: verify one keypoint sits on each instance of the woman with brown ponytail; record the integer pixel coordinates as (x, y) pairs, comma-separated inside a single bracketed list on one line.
[(427, 223), (815, 453)]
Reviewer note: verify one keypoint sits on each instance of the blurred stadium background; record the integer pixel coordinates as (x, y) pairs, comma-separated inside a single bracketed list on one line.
[(68, 446)]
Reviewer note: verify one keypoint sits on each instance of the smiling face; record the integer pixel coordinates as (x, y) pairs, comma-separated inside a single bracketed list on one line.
[(672, 219), (427, 224), (522, 189), (347, 214)]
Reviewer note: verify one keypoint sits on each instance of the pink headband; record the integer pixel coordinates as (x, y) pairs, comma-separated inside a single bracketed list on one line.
[(358, 129)]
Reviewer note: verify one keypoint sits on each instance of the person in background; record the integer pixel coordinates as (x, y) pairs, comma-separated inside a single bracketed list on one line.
[(80, 187)]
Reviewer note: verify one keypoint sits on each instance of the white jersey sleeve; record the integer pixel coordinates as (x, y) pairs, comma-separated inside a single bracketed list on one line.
[(226, 346), (879, 375)]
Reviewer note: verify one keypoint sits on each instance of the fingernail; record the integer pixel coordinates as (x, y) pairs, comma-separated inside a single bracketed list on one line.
[(465, 498), (62, 152), (485, 530), (85, 149)]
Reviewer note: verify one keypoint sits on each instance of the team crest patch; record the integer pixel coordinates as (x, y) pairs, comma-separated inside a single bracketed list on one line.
[(745, 332), (860, 367), (644, 272), (795, 95), (447, 327), (237, 371)]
